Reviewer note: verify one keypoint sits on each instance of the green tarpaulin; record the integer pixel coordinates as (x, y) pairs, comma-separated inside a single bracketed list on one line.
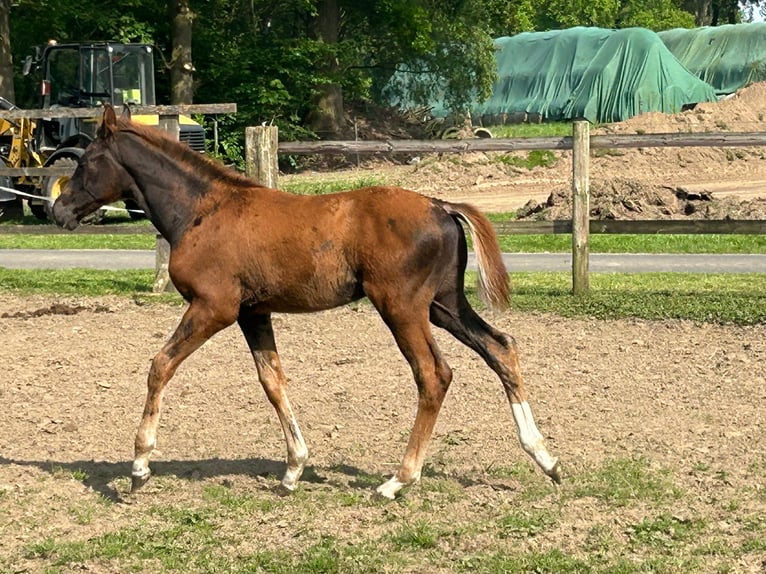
[(592, 73), (727, 57)]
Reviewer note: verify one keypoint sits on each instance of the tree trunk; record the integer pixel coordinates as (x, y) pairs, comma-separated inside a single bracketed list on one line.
[(6, 58), (326, 118), (181, 67), (703, 12)]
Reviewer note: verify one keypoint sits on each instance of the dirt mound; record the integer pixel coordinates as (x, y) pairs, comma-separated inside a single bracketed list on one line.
[(744, 111), (628, 199)]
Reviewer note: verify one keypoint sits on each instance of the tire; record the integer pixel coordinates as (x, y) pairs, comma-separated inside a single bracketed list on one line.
[(51, 188), (52, 185)]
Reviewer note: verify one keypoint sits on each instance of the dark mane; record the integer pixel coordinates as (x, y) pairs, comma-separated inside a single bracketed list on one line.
[(179, 151)]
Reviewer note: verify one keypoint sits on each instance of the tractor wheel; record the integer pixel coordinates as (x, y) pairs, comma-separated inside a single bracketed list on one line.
[(52, 188), (53, 185)]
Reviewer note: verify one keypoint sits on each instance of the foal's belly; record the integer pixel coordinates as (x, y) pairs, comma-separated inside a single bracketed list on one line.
[(312, 293)]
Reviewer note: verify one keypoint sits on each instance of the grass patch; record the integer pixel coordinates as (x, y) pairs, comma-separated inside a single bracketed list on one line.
[(420, 535), (551, 562), (79, 241), (629, 243), (620, 482), (665, 532), (561, 243), (526, 130), (526, 523), (720, 298), (533, 159), (89, 282), (317, 187)]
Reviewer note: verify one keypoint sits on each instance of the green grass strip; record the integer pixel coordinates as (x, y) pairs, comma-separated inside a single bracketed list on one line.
[(740, 244), (629, 243), (716, 298)]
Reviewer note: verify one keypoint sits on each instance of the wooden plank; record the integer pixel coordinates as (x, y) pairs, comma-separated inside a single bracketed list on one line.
[(425, 146), (716, 139), (638, 227), (580, 207), (708, 139), (555, 227), (681, 227), (135, 110), (35, 171), (533, 227)]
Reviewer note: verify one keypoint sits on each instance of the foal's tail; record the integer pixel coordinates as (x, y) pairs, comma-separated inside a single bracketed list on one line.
[(494, 285)]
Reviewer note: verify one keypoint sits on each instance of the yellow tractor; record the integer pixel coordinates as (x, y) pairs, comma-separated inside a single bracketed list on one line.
[(16, 150), (77, 76)]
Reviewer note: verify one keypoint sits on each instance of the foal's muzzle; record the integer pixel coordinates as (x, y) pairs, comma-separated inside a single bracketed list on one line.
[(63, 215)]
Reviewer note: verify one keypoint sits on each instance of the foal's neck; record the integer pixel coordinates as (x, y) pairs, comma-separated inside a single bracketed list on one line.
[(168, 188)]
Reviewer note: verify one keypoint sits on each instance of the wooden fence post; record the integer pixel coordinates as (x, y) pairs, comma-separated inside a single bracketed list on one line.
[(162, 282), (261, 155), (580, 207)]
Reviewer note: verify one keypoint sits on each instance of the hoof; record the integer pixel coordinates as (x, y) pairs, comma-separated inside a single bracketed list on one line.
[(555, 473), (138, 481), (284, 489), (383, 495), (389, 489)]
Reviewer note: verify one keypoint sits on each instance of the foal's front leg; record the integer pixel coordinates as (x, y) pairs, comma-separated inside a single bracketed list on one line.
[(199, 323), (260, 338)]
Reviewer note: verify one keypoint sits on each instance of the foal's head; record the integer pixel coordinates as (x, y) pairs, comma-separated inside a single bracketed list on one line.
[(98, 180)]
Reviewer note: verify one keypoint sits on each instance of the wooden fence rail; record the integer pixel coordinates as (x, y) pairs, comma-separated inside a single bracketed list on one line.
[(595, 227), (710, 139)]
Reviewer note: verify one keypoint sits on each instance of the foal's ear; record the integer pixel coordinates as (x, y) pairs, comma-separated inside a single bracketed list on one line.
[(108, 123)]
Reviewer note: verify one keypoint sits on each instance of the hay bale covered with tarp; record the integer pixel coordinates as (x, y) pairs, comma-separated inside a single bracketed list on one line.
[(593, 73), (727, 57)]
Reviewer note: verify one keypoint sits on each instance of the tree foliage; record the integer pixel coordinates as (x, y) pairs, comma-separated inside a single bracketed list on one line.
[(265, 56)]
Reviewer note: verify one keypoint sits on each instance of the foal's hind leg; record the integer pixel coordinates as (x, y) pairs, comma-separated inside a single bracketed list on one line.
[(260, 338), (499, 350), (199, 323), (432, 376)]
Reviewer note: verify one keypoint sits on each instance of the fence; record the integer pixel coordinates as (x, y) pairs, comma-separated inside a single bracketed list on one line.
[(262, 149)]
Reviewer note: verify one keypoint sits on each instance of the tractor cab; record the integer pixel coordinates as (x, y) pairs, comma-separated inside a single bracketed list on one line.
[(90, 75), (83, 75)]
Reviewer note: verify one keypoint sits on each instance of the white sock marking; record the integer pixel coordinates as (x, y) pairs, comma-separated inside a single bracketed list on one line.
[(530, 436)]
